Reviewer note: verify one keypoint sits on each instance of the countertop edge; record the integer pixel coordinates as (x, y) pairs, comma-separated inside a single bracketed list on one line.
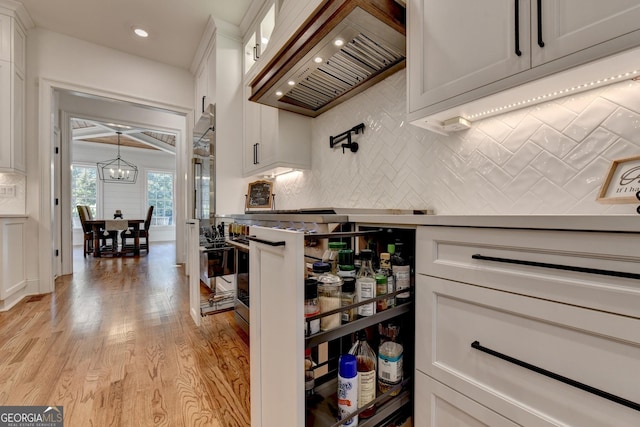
[(614, 223), (13, 216)]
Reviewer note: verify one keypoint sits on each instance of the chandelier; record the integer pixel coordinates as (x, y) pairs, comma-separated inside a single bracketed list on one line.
[(117, 170)]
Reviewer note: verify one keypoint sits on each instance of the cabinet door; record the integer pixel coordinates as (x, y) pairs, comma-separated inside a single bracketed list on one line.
[(18, 143), (5, 114), (541, 347), (267, 24), (276, 275), (436, 405), (251, 135), (250, 52), (5, 38), (459, 45), (200, 89), (572, 25), (268, 152)]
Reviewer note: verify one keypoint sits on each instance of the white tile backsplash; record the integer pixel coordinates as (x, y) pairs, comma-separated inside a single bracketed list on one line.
[(546, 159)]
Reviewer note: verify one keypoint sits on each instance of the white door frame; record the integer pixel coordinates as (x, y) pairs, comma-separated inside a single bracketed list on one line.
[(48, 170)]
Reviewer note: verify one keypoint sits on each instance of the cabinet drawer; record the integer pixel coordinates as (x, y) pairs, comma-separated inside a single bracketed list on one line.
[(598, 349), (448, 252), (437, 405)]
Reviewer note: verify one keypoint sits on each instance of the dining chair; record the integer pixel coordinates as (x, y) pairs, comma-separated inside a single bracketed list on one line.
[(142, 233), (87, 230)]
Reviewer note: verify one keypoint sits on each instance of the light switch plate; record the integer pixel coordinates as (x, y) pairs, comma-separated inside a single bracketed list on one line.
[(7, 190)]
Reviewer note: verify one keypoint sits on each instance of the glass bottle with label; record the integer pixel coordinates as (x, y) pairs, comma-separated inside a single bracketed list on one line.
[(329, 295), (385, 268), (311, 306), (349, 297), (390, 357), (366, 284), (402, 273), (331, 255), (346, 268), (366, 362)]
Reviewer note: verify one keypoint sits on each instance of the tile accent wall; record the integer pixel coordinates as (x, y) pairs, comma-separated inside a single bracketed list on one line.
[(547, 159), (14, 205)]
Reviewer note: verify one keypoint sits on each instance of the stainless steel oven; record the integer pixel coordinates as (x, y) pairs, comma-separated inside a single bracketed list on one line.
[(242, 286)]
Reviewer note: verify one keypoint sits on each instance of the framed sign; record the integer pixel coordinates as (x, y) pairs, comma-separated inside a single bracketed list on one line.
[(259, 195), (622, 182)]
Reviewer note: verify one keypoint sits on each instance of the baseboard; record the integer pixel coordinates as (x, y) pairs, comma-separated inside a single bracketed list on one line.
[(32, 288)]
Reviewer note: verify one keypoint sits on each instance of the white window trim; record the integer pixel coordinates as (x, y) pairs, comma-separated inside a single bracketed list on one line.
[(146, 195)]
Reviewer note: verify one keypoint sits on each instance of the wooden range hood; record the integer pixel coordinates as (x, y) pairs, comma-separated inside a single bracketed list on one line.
[(374, 47)]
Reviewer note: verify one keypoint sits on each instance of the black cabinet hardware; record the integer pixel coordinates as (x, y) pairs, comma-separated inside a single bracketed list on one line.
[(517, 8), (558, 377), (540, 42), (560, 267), (266, 242), (257, 153), (203, 97)]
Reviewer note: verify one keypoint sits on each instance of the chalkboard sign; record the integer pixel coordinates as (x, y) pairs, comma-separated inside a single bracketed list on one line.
[(260, 195)]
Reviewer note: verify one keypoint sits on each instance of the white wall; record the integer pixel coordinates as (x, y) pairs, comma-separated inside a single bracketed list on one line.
[(547, 159), (129, 198)]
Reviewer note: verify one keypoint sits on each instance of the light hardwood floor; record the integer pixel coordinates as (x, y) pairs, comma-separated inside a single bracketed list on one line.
[(114, 344)]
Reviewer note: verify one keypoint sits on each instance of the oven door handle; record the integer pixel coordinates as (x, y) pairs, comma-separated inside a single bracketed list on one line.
[(266, 242)]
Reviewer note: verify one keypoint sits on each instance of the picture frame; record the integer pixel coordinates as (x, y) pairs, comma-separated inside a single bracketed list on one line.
[(622, 182), (259, 195)]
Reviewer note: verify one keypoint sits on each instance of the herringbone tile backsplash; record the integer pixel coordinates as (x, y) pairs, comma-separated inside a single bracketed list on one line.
[(547, 159)]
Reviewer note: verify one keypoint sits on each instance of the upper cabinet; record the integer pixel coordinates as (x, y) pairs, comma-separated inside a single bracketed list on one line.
[(12, 94), (496, 45), (258, 36), (275, 141)]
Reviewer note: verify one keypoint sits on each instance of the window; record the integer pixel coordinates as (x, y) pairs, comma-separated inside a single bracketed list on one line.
[(84, 185), (160, 195)]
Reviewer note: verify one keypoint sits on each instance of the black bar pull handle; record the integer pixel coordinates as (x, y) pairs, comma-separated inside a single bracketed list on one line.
[(203, 97), (517, 22), (266, 242), (560, 267), (540, 42), (558, 377), (257, 153)]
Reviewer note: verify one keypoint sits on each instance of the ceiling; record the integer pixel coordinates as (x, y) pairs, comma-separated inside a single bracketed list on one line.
[(175, 26), (105, 133)]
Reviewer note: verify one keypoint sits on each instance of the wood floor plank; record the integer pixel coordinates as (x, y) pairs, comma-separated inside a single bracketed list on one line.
[(115, 345)]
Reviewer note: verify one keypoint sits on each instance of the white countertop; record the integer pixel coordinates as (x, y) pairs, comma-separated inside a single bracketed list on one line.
[(628, 223)]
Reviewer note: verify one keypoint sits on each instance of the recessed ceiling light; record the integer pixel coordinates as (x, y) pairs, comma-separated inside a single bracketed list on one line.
[(318, 60), (291, 82), (140, 32), (338, 42), (278, 93)]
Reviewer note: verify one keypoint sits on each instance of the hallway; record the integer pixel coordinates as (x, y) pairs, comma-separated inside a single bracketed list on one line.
[(115, 346)]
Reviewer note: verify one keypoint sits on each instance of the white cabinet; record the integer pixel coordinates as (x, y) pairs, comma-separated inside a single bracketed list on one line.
[(539, 326), (442, 406), (12, 258), (275, 141), (12, 95), (463, 50), (259, 36)]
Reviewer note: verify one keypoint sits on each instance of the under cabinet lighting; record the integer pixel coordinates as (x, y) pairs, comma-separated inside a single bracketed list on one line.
[(633, 75)]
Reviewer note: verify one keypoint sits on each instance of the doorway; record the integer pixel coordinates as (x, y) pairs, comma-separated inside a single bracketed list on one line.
[(88, 124)]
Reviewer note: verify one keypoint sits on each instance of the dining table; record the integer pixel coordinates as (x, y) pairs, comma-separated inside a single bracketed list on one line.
[(99, 226)]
